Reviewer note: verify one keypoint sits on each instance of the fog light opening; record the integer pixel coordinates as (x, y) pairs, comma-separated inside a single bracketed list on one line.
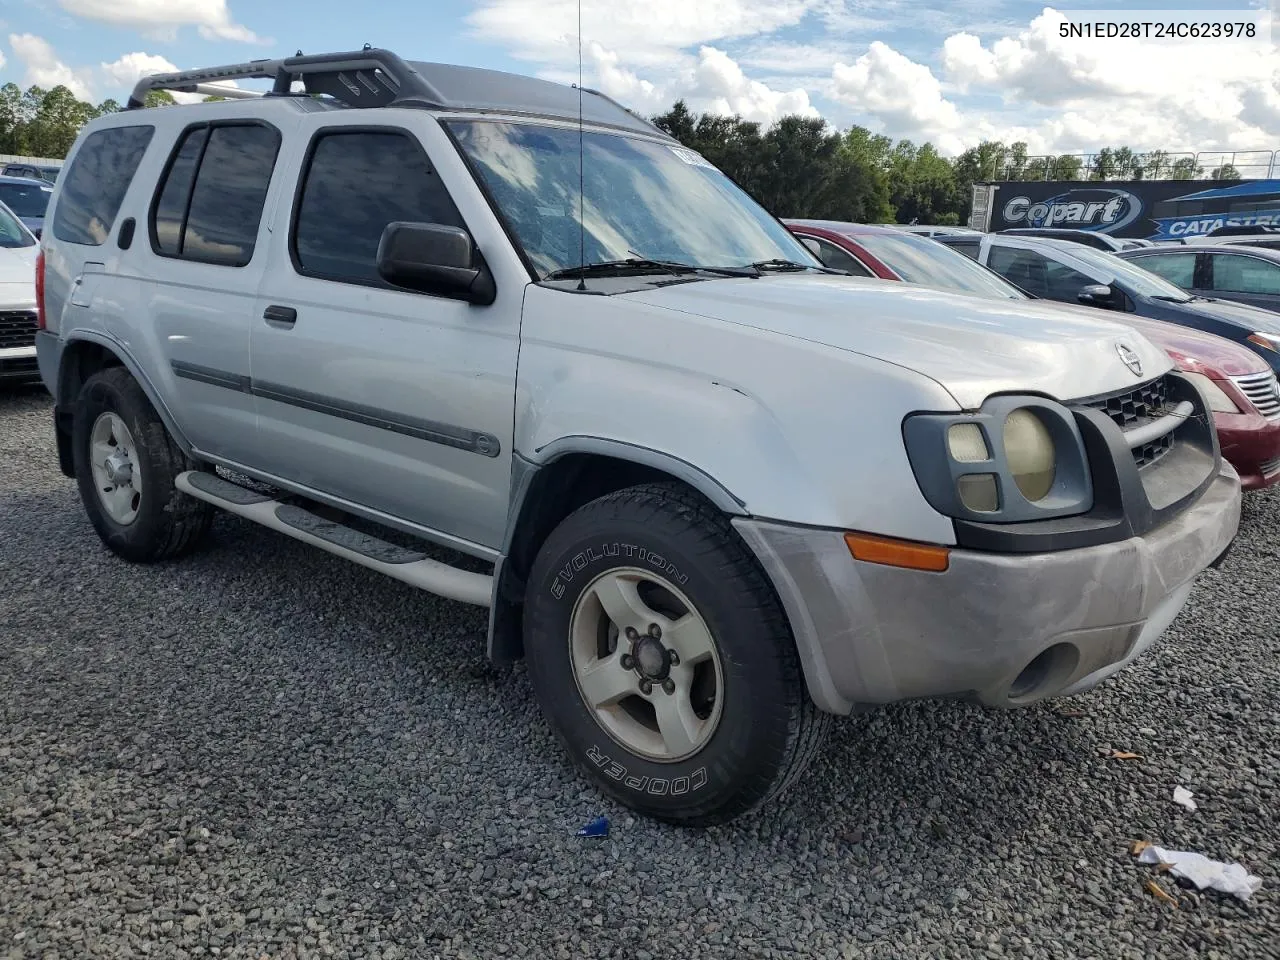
[(1044, 675)]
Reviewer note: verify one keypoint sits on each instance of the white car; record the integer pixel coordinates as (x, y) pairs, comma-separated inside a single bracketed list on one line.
[(18, 248)]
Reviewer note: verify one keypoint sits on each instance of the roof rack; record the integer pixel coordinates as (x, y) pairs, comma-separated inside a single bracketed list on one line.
[(363, 78)]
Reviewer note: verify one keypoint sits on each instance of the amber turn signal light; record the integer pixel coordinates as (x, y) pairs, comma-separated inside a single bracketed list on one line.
[(898, 553)]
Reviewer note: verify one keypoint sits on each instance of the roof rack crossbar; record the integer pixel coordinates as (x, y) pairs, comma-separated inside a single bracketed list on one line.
[(360, 78)]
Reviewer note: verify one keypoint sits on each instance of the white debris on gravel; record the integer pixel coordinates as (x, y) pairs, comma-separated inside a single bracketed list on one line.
[(1184, 798), (1203, 872), (370, 787)]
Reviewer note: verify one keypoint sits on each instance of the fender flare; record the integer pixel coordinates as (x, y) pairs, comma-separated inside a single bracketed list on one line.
[(122, 353)]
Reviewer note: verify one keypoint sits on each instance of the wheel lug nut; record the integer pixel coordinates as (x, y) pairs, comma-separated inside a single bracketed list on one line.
[(646, 687), (668, 686), (655, 631), (628, 662), (673, 657), (631, 633)]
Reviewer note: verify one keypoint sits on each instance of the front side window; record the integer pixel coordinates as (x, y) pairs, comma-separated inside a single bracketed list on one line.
[(210, 202), (1236, 273), (94, 187), (1178, 268), (640, 199), (356, 183), (1140, 281)]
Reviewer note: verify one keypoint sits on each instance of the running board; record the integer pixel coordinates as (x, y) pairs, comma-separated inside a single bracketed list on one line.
[(400, 563)]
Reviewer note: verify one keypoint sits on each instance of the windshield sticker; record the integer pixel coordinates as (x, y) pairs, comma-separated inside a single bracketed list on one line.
[(693, 159)]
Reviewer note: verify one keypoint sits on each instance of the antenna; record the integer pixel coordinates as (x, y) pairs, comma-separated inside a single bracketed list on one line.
[(582, 224)]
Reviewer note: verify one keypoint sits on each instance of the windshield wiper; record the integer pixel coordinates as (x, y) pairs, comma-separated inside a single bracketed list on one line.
[(621, 267), (788, 266), (1169, 299), (643, 265)]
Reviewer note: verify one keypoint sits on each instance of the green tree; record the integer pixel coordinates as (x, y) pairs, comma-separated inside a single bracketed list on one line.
[(159, 98), (1185, 168), (1225, 172)]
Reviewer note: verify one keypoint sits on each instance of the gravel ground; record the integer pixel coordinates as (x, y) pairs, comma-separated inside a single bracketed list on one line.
[(263, 751)]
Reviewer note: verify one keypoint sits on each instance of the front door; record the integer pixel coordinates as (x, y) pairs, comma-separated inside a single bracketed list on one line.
[(396, 401)]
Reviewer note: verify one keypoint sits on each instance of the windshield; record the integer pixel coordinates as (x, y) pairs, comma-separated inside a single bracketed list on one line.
[(26, 200), (1142, 282), (918, 259), (641, 199), (12, 232)]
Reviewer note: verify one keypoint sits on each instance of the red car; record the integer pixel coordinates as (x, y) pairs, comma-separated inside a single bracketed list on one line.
[(1241, 387)]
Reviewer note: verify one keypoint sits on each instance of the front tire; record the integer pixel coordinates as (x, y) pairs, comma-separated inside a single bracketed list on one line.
[(661, 657), (125, 466)]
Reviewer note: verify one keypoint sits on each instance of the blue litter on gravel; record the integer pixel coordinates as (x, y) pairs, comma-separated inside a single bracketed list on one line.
[(599, 827)]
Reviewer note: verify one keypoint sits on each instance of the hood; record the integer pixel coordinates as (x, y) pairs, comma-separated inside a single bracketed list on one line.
[(18, 265), (1242, 314), (972, 346)]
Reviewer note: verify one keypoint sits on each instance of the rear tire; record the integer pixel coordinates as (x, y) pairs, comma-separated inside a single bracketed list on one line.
[(125, 466), (695, 739)]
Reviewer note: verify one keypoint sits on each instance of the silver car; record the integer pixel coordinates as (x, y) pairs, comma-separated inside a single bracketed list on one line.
[(714, 493)]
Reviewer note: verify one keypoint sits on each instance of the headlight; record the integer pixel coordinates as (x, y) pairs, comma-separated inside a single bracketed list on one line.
[(1029, 449), (1265, 340), (1016, 459), (1219, 402)]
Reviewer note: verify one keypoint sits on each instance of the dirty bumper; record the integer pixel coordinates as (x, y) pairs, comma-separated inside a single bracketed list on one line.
[(1006, 630)]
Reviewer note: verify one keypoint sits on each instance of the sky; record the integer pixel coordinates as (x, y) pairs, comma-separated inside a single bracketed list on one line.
[(953, 72)]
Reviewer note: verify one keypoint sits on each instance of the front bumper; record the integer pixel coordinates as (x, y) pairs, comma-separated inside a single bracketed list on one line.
[(1251, 443), (1006, 630), (18, 365)]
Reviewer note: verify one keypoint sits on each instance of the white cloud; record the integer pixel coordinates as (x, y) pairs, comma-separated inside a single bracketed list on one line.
[(652, 33), (904, 96), (132, 67), (44, 69), (161, 18), (1086, 93)]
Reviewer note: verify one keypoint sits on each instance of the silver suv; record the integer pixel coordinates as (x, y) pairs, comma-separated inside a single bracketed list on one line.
[(718, 491)]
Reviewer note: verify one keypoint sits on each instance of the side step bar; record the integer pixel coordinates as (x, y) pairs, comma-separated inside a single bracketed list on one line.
[(408, 566)]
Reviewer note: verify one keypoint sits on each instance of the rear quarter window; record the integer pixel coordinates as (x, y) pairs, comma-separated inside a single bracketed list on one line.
[(95, 184)]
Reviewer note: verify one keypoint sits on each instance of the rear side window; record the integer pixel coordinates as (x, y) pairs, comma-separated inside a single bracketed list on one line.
[(835, 258), (969, 248), (94, 186), (1236, 273), (209, 204), (356, 183)]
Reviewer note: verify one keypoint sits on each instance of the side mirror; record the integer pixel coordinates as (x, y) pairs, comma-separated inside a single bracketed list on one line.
[(1097, 295), (437, 259)]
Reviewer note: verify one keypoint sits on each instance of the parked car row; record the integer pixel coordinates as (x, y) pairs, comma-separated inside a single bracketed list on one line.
[(717, 491), (1242, 387)]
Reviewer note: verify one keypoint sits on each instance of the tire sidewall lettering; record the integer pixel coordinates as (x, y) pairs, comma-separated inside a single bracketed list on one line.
[(653, 786), (613, 550)]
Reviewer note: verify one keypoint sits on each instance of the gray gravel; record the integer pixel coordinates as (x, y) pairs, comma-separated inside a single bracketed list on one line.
[(263, 751)]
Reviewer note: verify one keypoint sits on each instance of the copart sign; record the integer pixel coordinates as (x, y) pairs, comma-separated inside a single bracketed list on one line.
[(1104, 209)]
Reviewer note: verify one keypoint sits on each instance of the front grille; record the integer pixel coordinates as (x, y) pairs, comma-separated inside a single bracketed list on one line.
[(17, 329), (1263, 391), (1149, 453), (1137, 408)]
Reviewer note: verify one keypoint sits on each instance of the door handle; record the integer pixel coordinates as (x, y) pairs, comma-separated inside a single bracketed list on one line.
[(280, 316)]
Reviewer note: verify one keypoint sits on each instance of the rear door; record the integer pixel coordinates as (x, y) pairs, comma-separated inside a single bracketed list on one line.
[(207, 255), (1244, 278), (395, 401)]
